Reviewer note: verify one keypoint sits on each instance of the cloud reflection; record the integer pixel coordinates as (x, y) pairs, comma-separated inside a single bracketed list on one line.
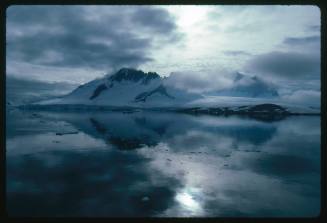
[(182, 166), (188, 200)]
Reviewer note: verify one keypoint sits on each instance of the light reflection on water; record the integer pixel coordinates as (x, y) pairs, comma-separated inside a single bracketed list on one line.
[(161, 164), (189, 200)]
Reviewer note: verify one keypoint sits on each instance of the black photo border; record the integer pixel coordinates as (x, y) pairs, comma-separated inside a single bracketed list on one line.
[(6, 3)]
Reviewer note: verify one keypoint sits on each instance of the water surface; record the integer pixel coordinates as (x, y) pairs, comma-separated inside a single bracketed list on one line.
[(113, 164)]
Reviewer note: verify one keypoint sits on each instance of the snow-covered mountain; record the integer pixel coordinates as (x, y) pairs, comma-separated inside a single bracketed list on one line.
[(137, 89), (247, 86), (127, 87)]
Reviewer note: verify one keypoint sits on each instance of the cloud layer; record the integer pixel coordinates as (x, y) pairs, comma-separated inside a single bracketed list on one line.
[(198, 82), (20, 91), (286, 65), (302, 40), (304, 97), (79, 43), (90, 37)]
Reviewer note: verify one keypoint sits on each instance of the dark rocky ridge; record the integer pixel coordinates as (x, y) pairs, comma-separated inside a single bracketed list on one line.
[(161, 90), (126, 74), (263, 112), (98, 90), (133, 75), (261, 108)]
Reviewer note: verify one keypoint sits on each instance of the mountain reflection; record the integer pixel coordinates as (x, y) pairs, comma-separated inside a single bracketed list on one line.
[(161, 164), (128, 132), (122, 142)]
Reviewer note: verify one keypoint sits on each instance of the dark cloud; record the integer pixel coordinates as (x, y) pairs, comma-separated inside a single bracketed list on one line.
[(286, 65), (302, 40), (155, 19), (236, 53), (77, 36)]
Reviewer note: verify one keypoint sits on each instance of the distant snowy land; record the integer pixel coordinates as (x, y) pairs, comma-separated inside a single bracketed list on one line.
[(130, 90)]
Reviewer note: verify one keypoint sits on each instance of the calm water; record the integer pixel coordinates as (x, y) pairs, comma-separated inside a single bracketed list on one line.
[(161, 164)]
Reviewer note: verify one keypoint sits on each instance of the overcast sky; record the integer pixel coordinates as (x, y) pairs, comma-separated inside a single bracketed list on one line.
[(79, 43)]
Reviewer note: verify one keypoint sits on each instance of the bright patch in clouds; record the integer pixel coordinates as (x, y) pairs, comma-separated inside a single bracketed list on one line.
[(188, 15)]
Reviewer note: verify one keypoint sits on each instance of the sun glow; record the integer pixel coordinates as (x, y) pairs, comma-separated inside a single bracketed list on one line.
[(188, 15), (192, 21)]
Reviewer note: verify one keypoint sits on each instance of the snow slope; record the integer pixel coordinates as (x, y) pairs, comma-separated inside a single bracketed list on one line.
[(134, 88), (128, 87)]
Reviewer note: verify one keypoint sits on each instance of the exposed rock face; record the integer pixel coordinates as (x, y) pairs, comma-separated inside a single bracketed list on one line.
[(133, 75), (125, 74), (98, 90), (160, 90)]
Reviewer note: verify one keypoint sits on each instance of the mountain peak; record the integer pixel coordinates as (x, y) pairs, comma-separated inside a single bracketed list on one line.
[(134, 75), (125, 70)]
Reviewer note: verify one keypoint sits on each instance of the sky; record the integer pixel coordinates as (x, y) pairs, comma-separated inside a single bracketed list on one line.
[(196, 44)]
